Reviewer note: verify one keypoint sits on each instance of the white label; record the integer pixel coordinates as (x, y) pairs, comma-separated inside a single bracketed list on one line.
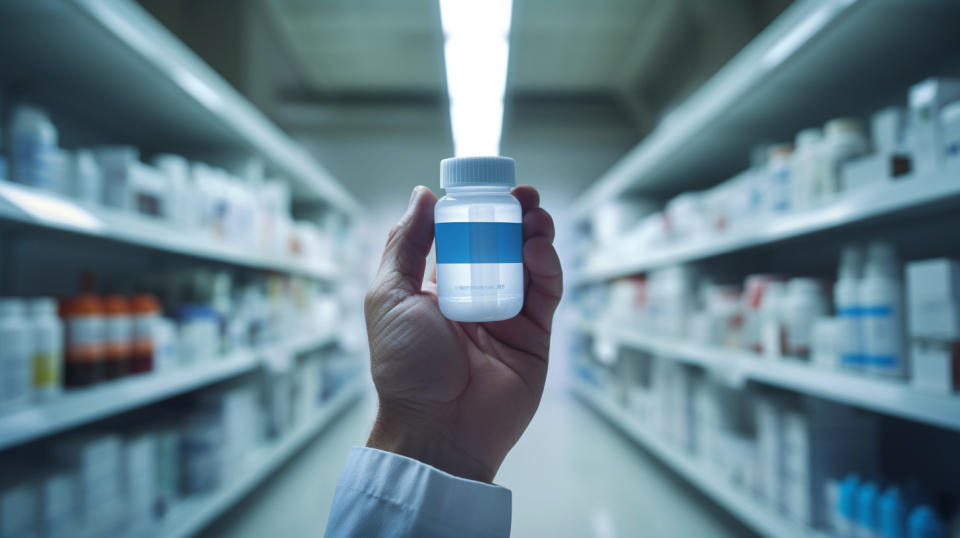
[(85, 331)]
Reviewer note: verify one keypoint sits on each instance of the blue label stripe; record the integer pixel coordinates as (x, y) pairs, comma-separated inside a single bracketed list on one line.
[(479, 242), (882, 310)]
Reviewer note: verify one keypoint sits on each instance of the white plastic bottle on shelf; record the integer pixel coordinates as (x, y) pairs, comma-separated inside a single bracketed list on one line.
[(33, 143), (15, 367), (881, 302), (806, 164), (46, 348), (846, 299), (844, 141), (804, 303), (87, 178), (478, 240), (779, 178)]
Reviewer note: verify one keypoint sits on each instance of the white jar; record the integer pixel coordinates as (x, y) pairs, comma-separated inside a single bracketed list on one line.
[(47, 348), (844, 141), (846, 299), (33, 141), (881, 303), (805, 167), (803, 305), (15, 366), (479, 242), (87, 178), (779, 178)]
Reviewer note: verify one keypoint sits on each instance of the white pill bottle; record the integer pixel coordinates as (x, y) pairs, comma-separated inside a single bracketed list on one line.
[(479, 242)]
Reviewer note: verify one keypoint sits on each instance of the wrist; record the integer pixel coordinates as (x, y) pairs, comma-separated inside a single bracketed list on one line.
[(427, 440)]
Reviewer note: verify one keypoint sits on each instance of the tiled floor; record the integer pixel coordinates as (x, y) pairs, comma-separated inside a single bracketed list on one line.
[(571, 475)]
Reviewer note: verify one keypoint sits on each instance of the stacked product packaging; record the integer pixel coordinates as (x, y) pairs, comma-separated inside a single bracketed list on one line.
[(192, 317), (244, 210), (101, 482), (844, 159)]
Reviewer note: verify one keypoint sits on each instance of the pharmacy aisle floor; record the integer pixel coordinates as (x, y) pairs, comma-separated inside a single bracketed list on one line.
[(572, 475)]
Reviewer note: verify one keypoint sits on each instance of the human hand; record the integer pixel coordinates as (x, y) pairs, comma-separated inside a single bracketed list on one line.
[(457, 395)]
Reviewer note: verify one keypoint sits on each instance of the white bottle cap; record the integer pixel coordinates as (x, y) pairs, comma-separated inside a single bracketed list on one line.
[(42, 306), (11, 307), (478, 172)]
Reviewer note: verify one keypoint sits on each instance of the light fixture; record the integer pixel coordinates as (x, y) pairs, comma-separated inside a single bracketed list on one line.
[(476, 50)]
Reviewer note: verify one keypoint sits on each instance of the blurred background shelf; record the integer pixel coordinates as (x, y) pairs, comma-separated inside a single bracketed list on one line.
[(893, 398), (745, 508), (33, 207), (82, 406), (170, 100), (777, 85), (191, 516), (907, 195)]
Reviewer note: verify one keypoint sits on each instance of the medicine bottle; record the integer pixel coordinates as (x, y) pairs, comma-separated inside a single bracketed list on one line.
[(479, 240), (846, 299), (33, 142), (84, 354), (15, 368), (145, 310), (881, 309), (47, 347), (118, 336)]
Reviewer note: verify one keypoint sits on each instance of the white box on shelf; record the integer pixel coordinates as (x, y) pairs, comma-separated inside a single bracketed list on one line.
[(935, 365), (933, 298), (927, 99)]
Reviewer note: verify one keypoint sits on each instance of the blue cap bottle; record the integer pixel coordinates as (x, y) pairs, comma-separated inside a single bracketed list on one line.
[(866, 509), (925, 523), (893, 513)]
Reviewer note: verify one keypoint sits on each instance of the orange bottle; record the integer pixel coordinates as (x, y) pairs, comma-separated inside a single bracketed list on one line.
[(84, 349), (118, 336), (145, 309)]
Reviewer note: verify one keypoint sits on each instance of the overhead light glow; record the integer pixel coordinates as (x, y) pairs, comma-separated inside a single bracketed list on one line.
[(476, 51)]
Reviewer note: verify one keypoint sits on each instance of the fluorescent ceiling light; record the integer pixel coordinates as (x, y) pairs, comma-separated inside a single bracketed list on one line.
[(476, 52)]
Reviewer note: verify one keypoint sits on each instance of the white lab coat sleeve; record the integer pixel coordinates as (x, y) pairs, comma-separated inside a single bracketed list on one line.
[(382, 494)]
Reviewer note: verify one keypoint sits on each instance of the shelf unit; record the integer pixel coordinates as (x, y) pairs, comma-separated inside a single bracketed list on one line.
[(170, 98), (83, 406), (193, 515), (744, 507), (819, 59), (898, 399), (20, 205), (883, 202)]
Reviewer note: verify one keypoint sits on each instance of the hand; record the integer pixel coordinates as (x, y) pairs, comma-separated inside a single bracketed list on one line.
[(457, 395)]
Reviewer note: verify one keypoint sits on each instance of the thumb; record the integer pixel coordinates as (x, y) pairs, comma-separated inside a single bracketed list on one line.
[(404, 257)]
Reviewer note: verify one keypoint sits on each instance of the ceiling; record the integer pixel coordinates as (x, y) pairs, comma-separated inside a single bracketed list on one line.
[(361, 82)]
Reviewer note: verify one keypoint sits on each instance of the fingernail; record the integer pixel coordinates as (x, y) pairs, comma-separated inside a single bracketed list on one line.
[(413, 195)]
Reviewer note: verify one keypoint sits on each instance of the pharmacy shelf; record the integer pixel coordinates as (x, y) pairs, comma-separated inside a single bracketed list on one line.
[(193, 515), (744, 507), (881, 202), (83, 406), (893, 398), (170, 99), (818, 60), (28, 206)]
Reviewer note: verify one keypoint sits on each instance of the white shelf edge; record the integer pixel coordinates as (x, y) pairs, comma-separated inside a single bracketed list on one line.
[(193, 515), (738, 503), (82, 406), (902, 195), (893, 398), (142, 35), (35, 207)]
